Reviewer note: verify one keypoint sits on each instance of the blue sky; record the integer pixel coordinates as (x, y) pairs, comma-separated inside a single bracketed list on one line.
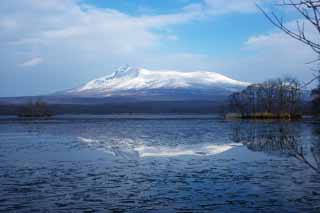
[(52, 45)]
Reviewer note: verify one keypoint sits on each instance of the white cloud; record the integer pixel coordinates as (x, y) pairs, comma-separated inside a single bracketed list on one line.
[(276, 54), (82, 29), (66, 26), (6, 24), (223, 7), (32, 62), (279, 38)]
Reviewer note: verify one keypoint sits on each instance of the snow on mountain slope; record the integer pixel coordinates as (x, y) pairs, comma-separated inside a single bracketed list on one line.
[(138, 79)]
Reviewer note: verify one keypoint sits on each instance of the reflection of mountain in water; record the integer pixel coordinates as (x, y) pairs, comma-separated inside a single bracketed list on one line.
[(128, 149), (279, 139)]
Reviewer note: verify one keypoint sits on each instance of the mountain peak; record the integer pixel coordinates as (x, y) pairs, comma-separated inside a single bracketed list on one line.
[(126, 71)]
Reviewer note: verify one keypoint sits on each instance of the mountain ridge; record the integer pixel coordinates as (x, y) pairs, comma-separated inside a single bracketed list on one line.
[(127, 81)]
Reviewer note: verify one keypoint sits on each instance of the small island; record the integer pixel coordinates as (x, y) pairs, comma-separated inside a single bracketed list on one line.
[(272, 99), (38, 109)]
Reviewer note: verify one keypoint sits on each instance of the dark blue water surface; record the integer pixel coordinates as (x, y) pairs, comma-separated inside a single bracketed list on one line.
[(158, 163)]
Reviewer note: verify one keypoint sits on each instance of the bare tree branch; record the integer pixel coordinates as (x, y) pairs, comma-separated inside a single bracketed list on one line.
[(310, 11)]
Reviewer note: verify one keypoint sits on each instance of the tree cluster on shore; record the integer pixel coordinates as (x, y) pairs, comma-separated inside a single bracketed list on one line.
[(280, 98), (35, 109)]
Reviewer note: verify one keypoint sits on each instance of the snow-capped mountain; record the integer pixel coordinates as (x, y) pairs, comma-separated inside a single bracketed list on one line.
[(128, 81)]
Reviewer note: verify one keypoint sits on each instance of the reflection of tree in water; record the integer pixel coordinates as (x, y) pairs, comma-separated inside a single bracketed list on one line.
[(316, 131), (279, 139), (315, 149)]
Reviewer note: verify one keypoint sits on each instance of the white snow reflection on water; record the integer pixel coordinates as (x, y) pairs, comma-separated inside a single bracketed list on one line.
[(202, 149), (126, 148)]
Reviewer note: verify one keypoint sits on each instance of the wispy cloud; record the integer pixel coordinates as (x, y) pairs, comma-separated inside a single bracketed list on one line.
[(230, 6), (32, 62), (222, 7), (275, 54)]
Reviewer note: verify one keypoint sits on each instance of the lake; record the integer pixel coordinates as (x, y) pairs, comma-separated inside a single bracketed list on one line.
[(158, 163)]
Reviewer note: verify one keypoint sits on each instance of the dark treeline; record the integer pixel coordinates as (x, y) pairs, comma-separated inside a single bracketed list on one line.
[(199, 107), (280, 98)]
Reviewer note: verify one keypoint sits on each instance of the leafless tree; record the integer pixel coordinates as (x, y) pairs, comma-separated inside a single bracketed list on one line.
[(310, 12), (236, 103)]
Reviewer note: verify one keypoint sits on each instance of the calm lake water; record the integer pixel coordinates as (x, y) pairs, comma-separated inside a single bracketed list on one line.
[(159, 163)]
